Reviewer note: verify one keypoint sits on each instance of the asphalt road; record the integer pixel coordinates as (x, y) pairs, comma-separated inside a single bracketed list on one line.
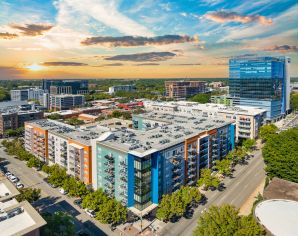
[(52, 201), (245, 180)]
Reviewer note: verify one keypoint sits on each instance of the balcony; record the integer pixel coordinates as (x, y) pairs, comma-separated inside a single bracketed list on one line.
[(192, 168), (110, 172), (123, 193), (192, 161), (176, 178), (109, 157), (175, 163), (177, 170), (123, 186), (110, 179), (191, 182), (123, 163), (176, 185), (123, 179)]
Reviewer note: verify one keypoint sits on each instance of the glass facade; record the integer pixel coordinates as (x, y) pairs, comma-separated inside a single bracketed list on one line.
[(142, 193), (259, 78)]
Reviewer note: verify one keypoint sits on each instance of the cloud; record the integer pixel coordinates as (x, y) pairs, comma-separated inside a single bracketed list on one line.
[(111, 64), (187, 64), (8, 35), (32, 29), (131, 41), (7, 72), (107, 13), (226, 16), (148, 64), (139, 57), (282, 48), (63, 63)]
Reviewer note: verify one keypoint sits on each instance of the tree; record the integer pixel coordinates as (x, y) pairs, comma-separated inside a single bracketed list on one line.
[(294, 101), (225, 220), (55, 116), (201, 98), (248, 144), (34, 162), (57, 175), (58, 224), (29, 194), (280, 155), (74, 121), (224, 166), (107, 209), (176, 204), (74, 187), (267, 131), (207, 180)]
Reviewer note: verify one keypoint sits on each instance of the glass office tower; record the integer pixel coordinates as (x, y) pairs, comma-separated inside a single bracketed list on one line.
[(261, 82)]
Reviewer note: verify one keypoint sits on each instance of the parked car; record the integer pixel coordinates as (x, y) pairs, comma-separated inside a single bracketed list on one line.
[(78, 202), (14, 179), (7, 174), (90, 213), (62, 191), (19, 185)]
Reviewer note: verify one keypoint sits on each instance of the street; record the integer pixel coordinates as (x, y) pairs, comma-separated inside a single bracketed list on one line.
[(52, 201), (245, 180)]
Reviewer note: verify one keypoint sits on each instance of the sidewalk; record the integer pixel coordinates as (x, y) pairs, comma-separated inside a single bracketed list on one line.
[(245, 209)]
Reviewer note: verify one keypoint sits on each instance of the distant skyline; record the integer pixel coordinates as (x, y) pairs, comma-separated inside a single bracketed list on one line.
[(141, 38)]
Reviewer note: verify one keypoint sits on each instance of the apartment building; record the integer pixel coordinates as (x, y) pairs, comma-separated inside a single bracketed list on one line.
[(17, 218), (182, 89), (57, 143), (14, 114), (66, 101), (126, 88), (163, 152), (247, 120)]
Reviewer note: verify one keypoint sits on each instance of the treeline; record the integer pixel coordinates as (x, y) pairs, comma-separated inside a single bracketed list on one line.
[(281, 152)]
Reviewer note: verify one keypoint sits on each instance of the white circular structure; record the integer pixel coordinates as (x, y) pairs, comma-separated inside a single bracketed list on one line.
[(278, 216)]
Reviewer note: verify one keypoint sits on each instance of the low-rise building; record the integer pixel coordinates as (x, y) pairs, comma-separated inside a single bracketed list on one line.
[(17, 218), (126, 88), (14, 114), (162, 153), (66, 101), (247, 119)]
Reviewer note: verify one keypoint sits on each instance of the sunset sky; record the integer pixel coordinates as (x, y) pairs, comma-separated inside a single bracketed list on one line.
[(141, 38)]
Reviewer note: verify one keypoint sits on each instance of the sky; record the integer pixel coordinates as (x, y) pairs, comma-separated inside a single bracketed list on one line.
[(141, 38)]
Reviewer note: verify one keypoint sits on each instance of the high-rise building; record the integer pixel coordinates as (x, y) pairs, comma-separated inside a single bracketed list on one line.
[(66, 101), (261, 82), (184, 89), (65, 86)]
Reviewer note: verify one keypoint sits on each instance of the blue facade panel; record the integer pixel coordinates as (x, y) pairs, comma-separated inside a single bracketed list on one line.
[(155, 177), (232, 136)]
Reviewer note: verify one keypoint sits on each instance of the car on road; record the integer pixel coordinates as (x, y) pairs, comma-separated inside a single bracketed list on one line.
[(90, 212), (63, 191), (19, 185), (78, 202)]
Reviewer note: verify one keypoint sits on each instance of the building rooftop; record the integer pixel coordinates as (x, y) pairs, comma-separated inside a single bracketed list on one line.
[(20, 107), (281, 189), (279, 216), (168, 130), (16, 218), (20, 219), (211, 107), (83, 135)]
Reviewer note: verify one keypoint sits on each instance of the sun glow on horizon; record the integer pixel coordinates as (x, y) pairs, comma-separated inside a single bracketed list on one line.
[(34, 67)]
